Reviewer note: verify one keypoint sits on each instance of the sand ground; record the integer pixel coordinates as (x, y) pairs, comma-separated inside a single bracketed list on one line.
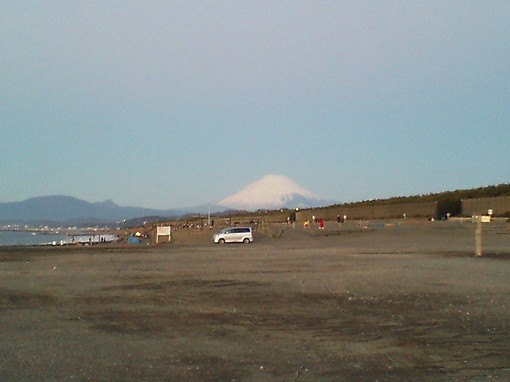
[(371, 301)]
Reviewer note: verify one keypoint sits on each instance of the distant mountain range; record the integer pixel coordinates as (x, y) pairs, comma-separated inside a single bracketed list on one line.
[(270, 192), (68, 210)]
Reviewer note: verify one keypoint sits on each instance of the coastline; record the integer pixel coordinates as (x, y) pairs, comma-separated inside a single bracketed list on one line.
[(47, 238)]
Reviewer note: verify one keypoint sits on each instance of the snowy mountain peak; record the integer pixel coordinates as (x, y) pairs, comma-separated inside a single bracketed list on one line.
[(271, 192)]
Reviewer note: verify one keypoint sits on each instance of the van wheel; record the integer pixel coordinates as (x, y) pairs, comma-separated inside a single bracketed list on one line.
[(221, 241), (246, 240)]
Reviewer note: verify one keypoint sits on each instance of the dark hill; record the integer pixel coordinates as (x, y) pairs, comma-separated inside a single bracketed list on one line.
[(72, 211)]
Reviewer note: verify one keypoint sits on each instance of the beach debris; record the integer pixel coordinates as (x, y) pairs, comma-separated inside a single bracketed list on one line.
[(298, 373)]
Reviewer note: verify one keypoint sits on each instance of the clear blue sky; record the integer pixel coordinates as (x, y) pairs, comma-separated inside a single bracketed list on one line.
[(176, 103)]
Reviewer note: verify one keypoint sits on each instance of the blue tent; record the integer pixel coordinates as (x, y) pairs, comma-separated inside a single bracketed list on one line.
[(134, 240)]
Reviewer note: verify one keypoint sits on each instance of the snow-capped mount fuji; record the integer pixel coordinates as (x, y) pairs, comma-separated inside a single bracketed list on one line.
[(272, 192)]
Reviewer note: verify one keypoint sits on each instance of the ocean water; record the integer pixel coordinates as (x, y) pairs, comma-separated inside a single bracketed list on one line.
[(33, 238), (28, 238)]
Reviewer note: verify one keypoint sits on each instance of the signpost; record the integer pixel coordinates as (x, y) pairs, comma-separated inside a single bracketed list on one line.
[(479, 220), (163, 231)]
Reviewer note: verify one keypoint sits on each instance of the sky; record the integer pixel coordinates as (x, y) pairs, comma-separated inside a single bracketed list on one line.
[(168, 104)]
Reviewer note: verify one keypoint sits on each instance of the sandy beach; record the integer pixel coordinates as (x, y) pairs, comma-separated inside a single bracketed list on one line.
[(365, 301)]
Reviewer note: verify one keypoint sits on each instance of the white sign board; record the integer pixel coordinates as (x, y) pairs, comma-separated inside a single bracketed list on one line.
[(163, 231), (481, 218)]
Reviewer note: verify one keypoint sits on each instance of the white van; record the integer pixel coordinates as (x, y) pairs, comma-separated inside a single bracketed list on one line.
[(234, 235)]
